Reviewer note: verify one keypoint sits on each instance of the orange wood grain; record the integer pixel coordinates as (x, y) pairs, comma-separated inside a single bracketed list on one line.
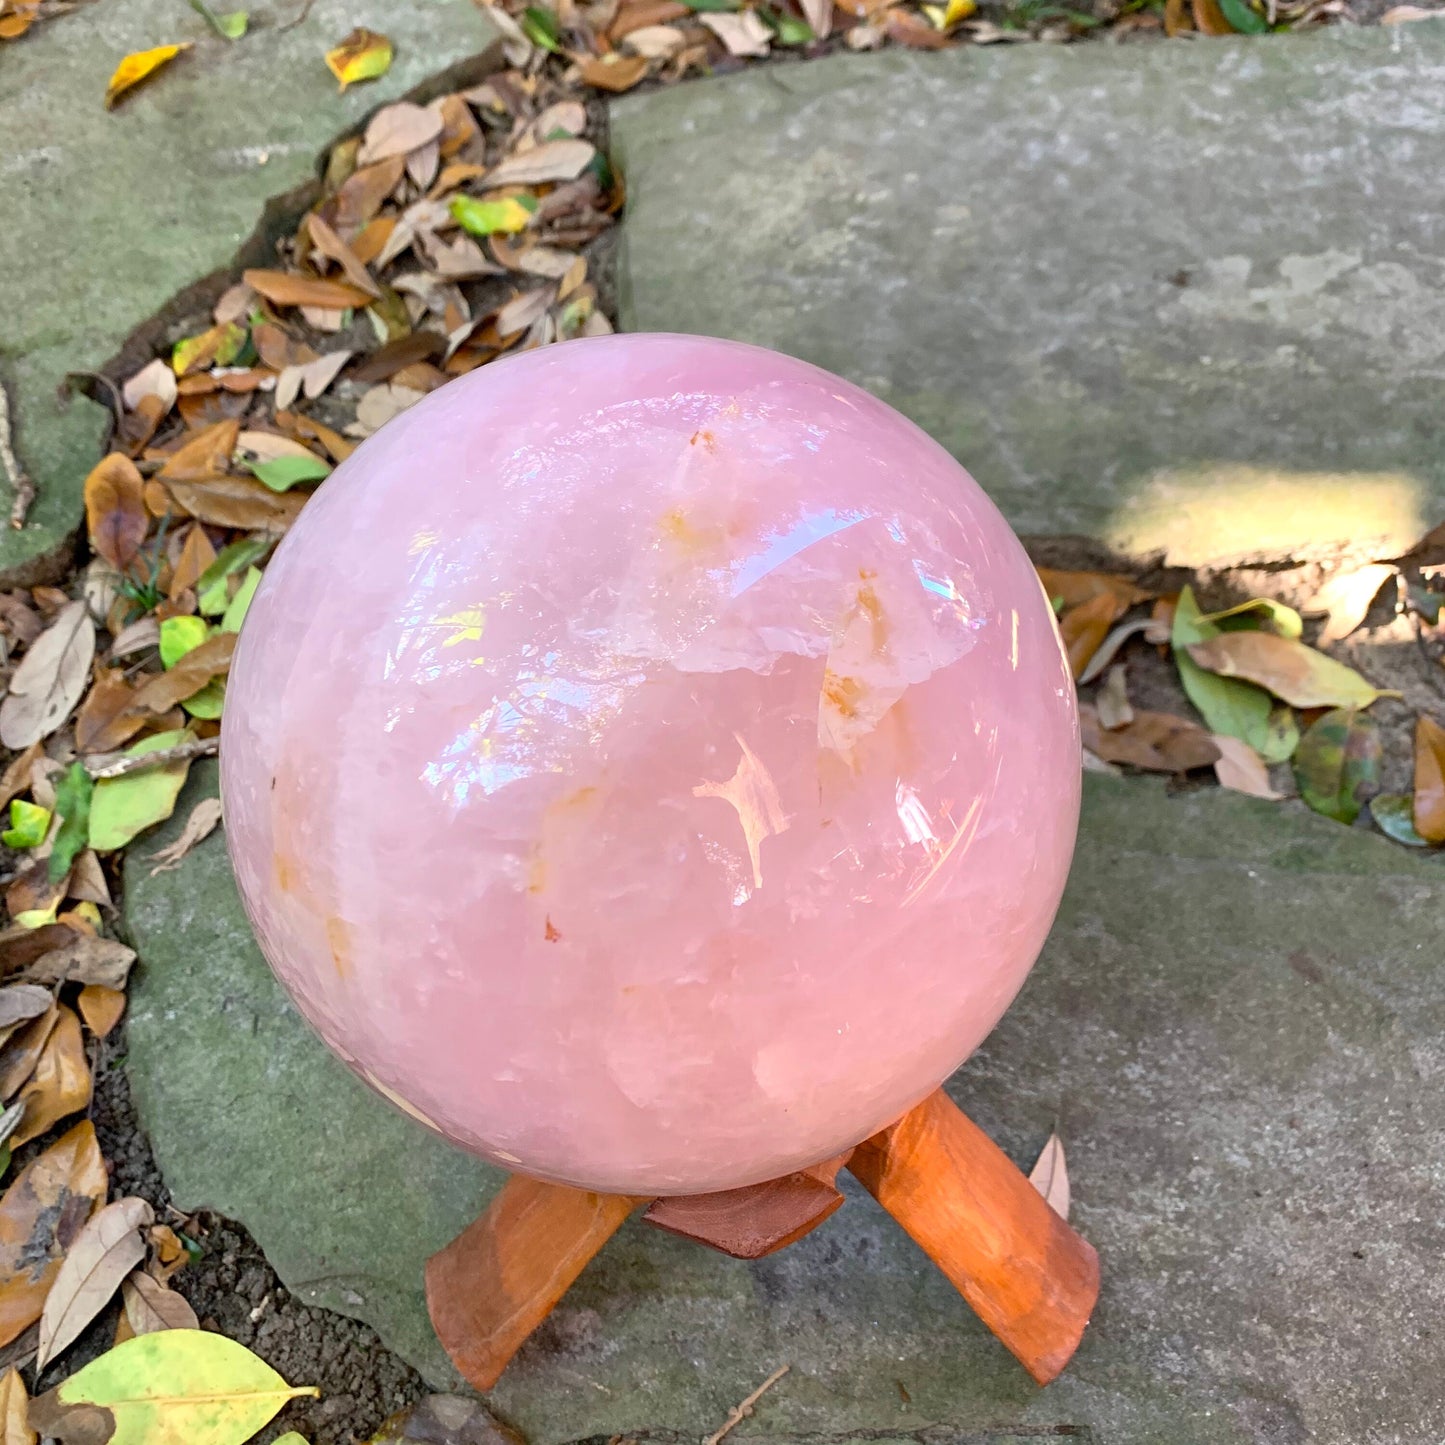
[(1031, 1279), (754, 1221), (502, 1275)]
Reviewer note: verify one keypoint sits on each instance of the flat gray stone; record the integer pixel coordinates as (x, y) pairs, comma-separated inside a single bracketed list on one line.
[(1238, 1026), (109, 214), (1184, 298)]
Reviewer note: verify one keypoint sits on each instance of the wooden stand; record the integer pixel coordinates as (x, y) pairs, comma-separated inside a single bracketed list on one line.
[(1031, 1279)]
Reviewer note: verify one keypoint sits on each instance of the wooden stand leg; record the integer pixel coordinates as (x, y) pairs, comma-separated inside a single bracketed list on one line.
[(502, 1275), (1031, 1279)]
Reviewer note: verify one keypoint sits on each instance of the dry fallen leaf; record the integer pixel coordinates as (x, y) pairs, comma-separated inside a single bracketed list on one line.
[(1112, 699), (662, 42), (1085, 627), (382, 403), (1050, 1176), (104, 1253), (1403, 14), (1238, 766), (84, 959), (1157, 741), (136, 67), (150, 1306), (553, 160), (60, 1084), (1347, 598), (615, 72), (363, 55), (155, 379), (14, 1410), (1291, 671), (40, 1215), (100, 1007), (281, 288), (240, 502), (1073, 588), (742, 33), (201, 824), (115, 513), (50, 679), (397, 130), (1429, 779), (206, 454)]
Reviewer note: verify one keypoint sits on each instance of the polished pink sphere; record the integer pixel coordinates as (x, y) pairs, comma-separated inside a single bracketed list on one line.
[(651, 762)]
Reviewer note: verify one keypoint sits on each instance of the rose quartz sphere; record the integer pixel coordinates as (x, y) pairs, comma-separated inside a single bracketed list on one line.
[(651, 762)]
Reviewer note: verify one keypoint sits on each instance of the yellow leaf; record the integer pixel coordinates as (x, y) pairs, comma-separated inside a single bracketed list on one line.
[(137, 66), (363, 55), (1291, 671), (173, 1387), (958, 10)]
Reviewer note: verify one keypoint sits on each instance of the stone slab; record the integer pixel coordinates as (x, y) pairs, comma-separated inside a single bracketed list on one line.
[(1183, 297), (108, 214), (1238, 1026)]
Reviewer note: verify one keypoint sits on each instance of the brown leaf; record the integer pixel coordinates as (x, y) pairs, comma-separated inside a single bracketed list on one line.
[(107, 718), (20, 946), (1429, 779), (150, 1306), (1157, 741), (635, 14), (325, 239), (1084, 628), (333, 441), (32, 891), (615, 72), (205, 455), (397, 130), (661, 42), (110, 1245), (1209, 18), (21, 1002), (1050, 1176), (191, 673), (16, 778), (201, 824), (1347, 598), (40, 1215), (363, 194), (50, 679), (115, 515), (1238, 766), (197, 554), (84, 960), (445, 1420), (20, 622), (908, 29), (60, 1084), (278, 348), (87, 879), (553, 160), (1078, 587), (169, 1255), (387, 360), (237, 502), (1291, 671), (100, 1007), (281, 288), (14, 1411), (1112, 701)]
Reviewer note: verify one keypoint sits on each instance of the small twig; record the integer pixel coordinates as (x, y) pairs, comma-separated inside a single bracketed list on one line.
[(118, 765), (96, 378), (20, 484), (298, 17), (742, 1410)]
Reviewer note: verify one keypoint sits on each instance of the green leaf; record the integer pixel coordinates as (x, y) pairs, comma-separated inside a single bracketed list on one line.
[(1228, 705), (29, 823), (1337, 765), (1242, 18), (790, 29), (233, 558), (72, 801), (208, 702), (228, 27), (698, 6), (487, 218), (1284, 620), (180, 635), (540, 27), (286, 472), (240, 604), (170, 1386), (121, 808), (1394, 815)]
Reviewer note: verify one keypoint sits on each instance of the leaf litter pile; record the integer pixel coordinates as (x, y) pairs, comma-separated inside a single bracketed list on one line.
[(446, 236)]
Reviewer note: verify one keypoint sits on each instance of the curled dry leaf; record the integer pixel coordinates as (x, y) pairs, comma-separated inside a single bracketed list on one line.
[(1159, 742), (207, 454), (138, 66), (1347, 598), (325, 239), (115, 513), (281, 288), (1109, 648), (150, 1306), (553, 160), (1085, 627), (1429, 794), (84, 959), (615, 72), (104, 1253), (40, 1215), (50, 679), (1290, 670), (1238, 766), (155, 379), (1050, 1176), (60, 1084), (204, 818), (742, 33)]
